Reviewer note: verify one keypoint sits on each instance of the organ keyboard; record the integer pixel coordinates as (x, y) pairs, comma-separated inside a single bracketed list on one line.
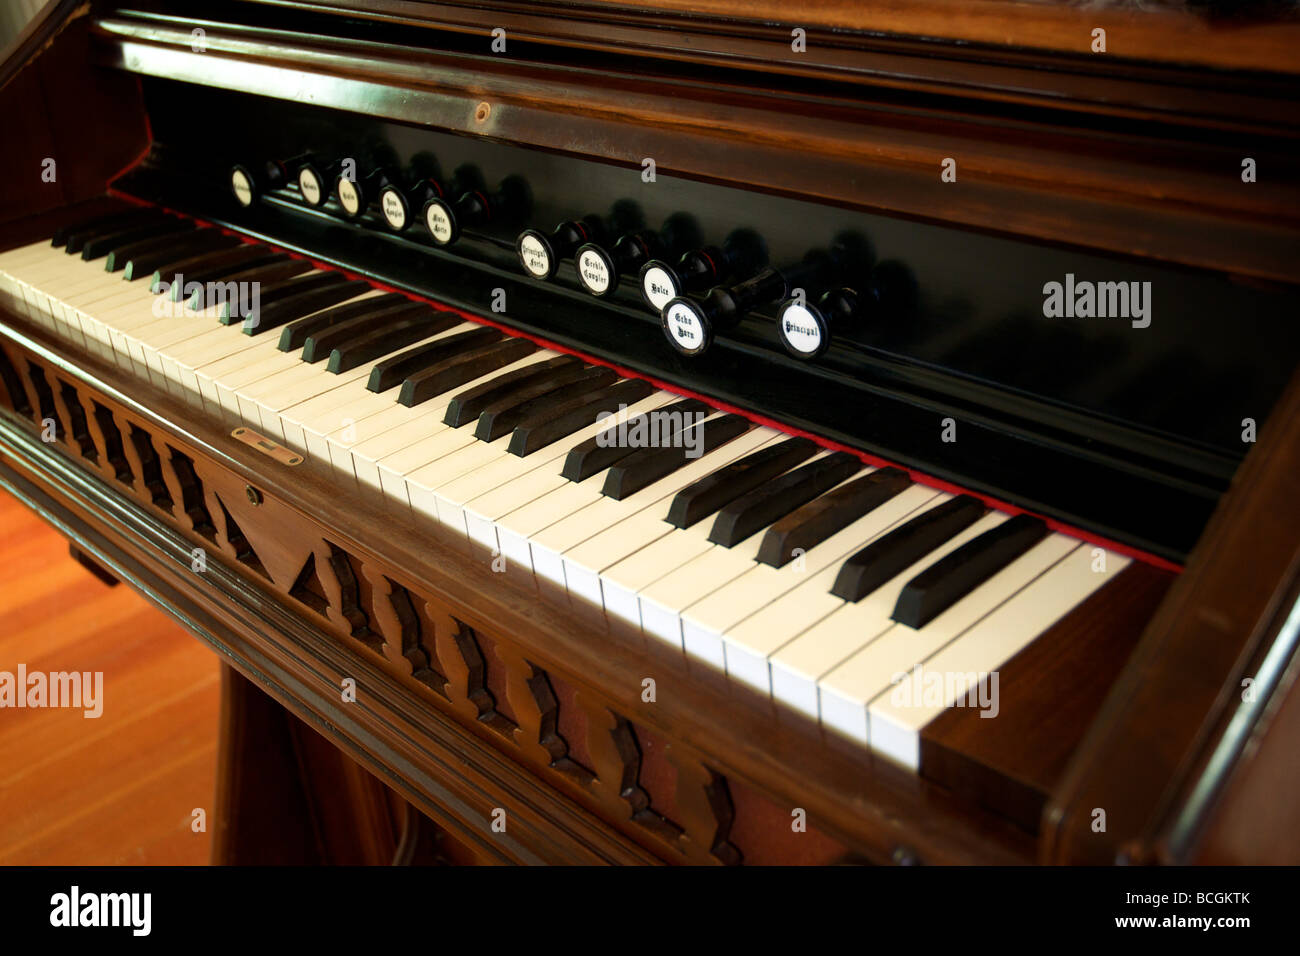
[(886, 538)]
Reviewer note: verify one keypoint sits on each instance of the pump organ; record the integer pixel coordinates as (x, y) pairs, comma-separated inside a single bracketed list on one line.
[(901, 484)]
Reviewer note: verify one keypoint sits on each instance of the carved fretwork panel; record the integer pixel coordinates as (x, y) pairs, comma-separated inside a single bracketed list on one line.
[(185, 487), (659, 792), (12, 391)]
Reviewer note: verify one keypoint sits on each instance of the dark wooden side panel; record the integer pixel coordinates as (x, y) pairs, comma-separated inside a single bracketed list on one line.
[(57, 107), (1147, 757), (262, 810)]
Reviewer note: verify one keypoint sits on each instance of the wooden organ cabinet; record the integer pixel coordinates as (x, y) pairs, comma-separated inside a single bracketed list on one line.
[(964, 335)]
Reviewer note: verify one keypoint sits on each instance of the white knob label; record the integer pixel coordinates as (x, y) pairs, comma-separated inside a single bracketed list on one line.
[(242, 187), (658, 287), (349, 197), (800, 330), (309, 186), (534, 257), (393, 207), (685, 327), (593, 271), (439, 223)]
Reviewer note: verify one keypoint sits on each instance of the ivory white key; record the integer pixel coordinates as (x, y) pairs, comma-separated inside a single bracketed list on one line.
[(795, 665), (748, 645), (486, 508), (452, 496), (516, 528), (549, 545), (585, 564), (309, 422), (705, 621), (846, 691), (684, 607), (396, 426), (897, 716)]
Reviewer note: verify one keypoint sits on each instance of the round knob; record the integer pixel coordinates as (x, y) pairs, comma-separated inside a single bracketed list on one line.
[(599, 271), (540, 254), (805, 328), (441, 221), (248, 182), (445, 220), (697, 269), (351, 196), (396, 203), (243, 185), (688, 325), (312, 184), (355, 195)]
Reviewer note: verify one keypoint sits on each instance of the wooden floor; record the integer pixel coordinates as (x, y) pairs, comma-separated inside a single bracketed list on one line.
[(121, 788)]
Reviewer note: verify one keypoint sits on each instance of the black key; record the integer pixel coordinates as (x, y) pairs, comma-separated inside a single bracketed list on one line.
[(395, 370), (294, 335), (389, 338), (287, 308), (952, 577), (892, 554), (227, 287), (806, 527), (76, 236), (209, 267), (647, 465), (271, 292), (321, 343), (463, 368), (554, 394), (142, 260), (761, 507), (601, 451), (469, 404), (102, 245), (543, 429), (704, 497), (168, 247), (107, 221)]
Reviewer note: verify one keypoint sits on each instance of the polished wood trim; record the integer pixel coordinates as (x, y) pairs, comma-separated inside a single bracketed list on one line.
[(1166, 35), (1148, 759), (1121, 191)]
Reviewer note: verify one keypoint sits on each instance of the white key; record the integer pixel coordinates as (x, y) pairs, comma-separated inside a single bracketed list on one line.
[(897, 716), (396, 426), (550, 544), (680, 610), (748, 645), (846, 691), (795, 666)]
